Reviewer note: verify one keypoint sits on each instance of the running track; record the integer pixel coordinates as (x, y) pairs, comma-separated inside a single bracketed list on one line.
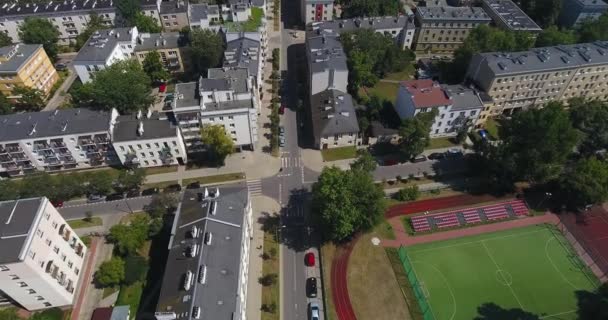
[(339, 286)]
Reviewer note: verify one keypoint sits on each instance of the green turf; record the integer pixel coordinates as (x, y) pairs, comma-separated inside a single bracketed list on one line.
[(532, 268)]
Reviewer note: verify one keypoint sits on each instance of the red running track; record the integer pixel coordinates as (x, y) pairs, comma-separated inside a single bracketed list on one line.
[(339, 285)]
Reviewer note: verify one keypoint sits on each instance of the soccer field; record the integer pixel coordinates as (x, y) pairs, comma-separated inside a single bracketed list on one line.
[(532, 268)]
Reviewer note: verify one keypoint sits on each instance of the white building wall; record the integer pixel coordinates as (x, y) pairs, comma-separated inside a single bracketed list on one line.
[(240, 124), (341, 140), (149, 151), (44, 245)]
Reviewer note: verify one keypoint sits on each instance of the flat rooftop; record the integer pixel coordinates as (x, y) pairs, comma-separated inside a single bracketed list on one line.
[(452, 14), (126, 128), (511, 15), (243, 53), (186, 95), (16, 219), (157, 41), (14, 57), (375, 23), (220, 260), (463, 98), (101, 44)]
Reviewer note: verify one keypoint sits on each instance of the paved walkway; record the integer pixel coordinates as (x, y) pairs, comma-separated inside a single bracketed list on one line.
[(61, 94), (86, 278)]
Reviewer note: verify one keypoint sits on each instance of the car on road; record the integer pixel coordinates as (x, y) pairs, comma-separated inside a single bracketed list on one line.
[(436, 155), (309, 258), (149, 192), (133, 194), (313, 308), (95, 198), (115, 196), (311, 287), (194, 185), (454, 152), (419, 158), (281, 141), (390, 162), (172, 188), (282, 109), (57, 203)]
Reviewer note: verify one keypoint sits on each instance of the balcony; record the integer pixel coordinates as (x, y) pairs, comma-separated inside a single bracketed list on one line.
[(52, 160), (6, 158), (85, 141), (57, 143), (41, 145), (67, 159), (10, 166), (79, 249), (14, 148), (101, 139), (67, 234), (62, 279), (2, 150), (70, 286), (61, 229), (63, 151), (19, 156)]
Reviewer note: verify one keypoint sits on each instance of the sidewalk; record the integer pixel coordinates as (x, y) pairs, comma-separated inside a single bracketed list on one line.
[(86, 279)]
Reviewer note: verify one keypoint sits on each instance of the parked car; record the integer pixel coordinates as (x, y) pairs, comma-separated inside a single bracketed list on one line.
[(282, 141), (311, 287), (390, 162), (436, 155), (454, 152), (149, 192), (194, 185), (282, 109), (60, 66), (314, 311), (309, 258), (115, 196), (133, 194), (281, 130), (172, 188), (95, 198), (57, 203), (419, 158)]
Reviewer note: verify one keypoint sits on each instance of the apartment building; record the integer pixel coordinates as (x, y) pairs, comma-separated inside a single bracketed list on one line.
[(456, 105), (327, 67), (245, 51), (507, 15), (401, 28), (443, 29), (147, 141), (169, 45), (204, 16), (316, 10), (524, 79), (207, 267), (334, 120), (54, 141), (26, 65), (173, 15), (224, 98), (574, 12), (41, 257)]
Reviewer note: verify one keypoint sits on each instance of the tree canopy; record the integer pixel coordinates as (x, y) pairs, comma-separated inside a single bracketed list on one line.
[(593, 305), (5, 40), (591, 118), (123, 85), (593, 30), (129, 238), (415, 133), (161, 204), (206, 51), (95, 23), (40, 31), (366, 8), (154, 68), (30, 99), (220, 144), (6, 107), (111, 273), (131, 179), (585, 183), (128, 10), (553, 36), (347, 202), (365, 161), (544, 12), (146, 23)]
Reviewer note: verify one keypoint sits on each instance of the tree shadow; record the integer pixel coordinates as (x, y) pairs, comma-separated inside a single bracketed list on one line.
[(492, 311), (593, 305)]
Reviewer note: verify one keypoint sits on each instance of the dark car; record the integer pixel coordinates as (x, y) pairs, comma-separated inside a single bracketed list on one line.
[(149, 192), (390, 162), (194, 185), (57, 203), (95, 198), (311, 287), (172, 188), (60, 66), (282, 109), (420, 158), (436, 155), (115, 196), (133, 194)]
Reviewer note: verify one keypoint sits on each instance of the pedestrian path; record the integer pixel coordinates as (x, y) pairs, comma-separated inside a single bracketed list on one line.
[(291, 162), (255, 187)]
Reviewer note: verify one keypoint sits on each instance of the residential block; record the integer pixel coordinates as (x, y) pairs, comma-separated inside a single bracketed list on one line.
[(26, 65)]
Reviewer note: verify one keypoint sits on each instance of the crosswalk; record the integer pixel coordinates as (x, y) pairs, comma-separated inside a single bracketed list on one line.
[(294, 211), (255, 187), (291, 162)]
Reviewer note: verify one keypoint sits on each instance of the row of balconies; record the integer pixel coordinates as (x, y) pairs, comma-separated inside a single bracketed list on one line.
[(60, 276)]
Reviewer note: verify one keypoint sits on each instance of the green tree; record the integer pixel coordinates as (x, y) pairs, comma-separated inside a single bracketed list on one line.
[(68, 186), (146, 23), (220, 144), (48, 314), (268, 279), (408, 194), (544, 12), (129, 238), (593, 305), (30, 99), (6, 107), (593, 30), (37, 185), (591, 118), (128, 11), (365, 161), (131, 179), (9, 190), (5, 40), (553, 36), (415, 133), (111, 273), (9, 314), (206, 50), (136, 268), (123, 85), (153, 66), (40, 31), (99, 183), (585, 183), (95, 23), (366, 8), (161, 204)]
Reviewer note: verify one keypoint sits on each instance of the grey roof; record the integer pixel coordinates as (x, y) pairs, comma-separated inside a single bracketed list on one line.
[(16, 219), (463, 98), (200, 12), (510, 15), (452, 14), (378, 129), (156, 41), (542, 59), (13, 8), (55, 123), (246, 3), (120, 313), (126, 128), (16, 56), (325, 52), (244, 53), (593, 3), (206, 84), (227, 105), (318, 1), (235, 77), (217, 297), (186, 95), (100, 45), (173, 7), (333, 112), (375, 23)]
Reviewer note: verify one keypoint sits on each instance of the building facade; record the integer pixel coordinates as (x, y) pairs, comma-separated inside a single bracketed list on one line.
[(26, 65), (401, 28), (173, 15), (443, 29), (316, 10), (327, 67), (204, 16), (507, 15), (524, 79), (41, 257), (574, 12), (457, 105), (208, 262), (334, 120)]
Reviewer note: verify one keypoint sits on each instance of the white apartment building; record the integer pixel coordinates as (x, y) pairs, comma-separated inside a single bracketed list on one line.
[(55, 140), (146, 141), (327, 67), (41, 257), (208, 262), (456, 105), (225, 98)]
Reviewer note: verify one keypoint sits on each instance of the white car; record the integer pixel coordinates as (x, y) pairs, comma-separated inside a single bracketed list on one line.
[(314, 311)]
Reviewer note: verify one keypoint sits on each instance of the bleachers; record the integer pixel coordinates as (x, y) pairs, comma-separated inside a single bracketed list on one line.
[(493, 212)]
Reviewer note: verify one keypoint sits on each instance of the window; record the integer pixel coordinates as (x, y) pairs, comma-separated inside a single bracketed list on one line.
[(39, 298), (143, 154), (474, 112), (230, 117), (70, 264), (122, 148), (31, 254), (14, 277), (56, 249), (76, 271), (139, 146), (146, 162), (31, 291), (63, 256), (174, 143), (47, 304), (451, 114), (156, 144), (48, 242), (152, 153), (148, 146), (221, 118), (22, 284)]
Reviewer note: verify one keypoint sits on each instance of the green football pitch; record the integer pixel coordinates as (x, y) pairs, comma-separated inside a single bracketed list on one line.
[(532, 268)]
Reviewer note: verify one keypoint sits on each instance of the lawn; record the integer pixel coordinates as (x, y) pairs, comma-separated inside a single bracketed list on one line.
[(446, 142), (159, 185), (371, 283), (384, 90), (407, 74), (215, 178), (85, 223), (491, 125), (384, 230), (328, 251), (531, 268), (157, 170), (131, 295), (251, 25), (341, 153), (270, 294)]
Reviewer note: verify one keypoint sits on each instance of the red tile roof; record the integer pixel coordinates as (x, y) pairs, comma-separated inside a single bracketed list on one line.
[(427, 93), (102, 314)]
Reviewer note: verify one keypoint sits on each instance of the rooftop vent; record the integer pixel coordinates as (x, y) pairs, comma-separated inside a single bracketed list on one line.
[(187, 280), (202, 274), (140, 129), (208, 238)]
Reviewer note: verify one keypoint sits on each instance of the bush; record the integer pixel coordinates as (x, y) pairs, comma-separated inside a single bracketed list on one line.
[(408, 194), (269, 307), (111, 273), (268, 279), (136, 268)]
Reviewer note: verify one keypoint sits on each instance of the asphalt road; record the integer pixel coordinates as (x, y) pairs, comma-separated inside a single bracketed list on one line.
[(79, 208)]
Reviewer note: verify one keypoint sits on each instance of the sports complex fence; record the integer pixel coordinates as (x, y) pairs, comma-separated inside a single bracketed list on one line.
[(417, 287)]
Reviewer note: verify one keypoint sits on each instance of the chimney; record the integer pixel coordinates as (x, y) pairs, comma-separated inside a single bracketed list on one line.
[(33, 130), (149, 113), (138, 114), (164, 42), (140, 129), (64, 126)]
